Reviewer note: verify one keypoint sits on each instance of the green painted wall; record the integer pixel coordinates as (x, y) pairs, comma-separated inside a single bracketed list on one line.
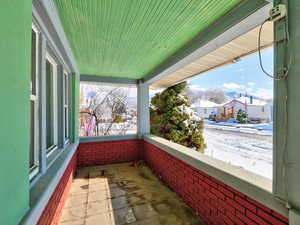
[(75, 103), (15, 49)]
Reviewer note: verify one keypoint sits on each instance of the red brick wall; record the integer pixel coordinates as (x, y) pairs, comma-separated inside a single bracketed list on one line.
[(109, 152), (214, 201), (53, 210)]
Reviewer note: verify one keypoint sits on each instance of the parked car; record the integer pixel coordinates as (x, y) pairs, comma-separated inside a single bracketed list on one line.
[(212, 117)]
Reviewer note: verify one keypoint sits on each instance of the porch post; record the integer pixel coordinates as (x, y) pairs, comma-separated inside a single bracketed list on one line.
[(287, 108), (143, 109)]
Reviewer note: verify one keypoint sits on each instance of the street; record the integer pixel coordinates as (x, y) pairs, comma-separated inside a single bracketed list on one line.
[(250, 151)]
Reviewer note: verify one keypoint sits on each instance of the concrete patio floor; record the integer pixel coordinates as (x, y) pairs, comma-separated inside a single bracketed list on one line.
[(123, 194)]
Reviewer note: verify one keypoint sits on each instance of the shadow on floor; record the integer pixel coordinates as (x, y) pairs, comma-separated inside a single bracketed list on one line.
[(123, 194)]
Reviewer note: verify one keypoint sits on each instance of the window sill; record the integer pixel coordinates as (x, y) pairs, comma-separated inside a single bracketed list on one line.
[(43, 188), (34, 173), (255, 186), (52, 155), (107, 138)]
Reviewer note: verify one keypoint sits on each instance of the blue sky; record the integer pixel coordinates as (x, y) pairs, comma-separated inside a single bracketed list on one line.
[(243, 75)]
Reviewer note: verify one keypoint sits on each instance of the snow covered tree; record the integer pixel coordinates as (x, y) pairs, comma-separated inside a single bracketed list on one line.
[(215, 95), (172, 118), (241, 116), (197, 94)]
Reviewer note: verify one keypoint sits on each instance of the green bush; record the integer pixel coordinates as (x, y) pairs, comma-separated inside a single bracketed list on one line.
[(242, 116)]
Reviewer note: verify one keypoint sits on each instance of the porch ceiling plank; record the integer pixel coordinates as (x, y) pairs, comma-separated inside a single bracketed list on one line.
[(131, 38)]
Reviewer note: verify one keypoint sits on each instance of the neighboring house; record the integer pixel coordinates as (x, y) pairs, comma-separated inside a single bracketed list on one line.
[(257, 110), (205, 108)]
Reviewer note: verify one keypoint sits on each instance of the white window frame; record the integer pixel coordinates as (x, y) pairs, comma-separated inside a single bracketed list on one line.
[(34, 98), (53, 62), (66, 103)]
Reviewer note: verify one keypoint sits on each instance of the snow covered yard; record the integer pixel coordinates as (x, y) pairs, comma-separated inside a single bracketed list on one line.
[(259, 129), (249, 149)]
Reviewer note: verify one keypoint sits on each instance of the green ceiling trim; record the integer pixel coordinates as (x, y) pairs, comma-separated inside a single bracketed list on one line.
[(129, 38)]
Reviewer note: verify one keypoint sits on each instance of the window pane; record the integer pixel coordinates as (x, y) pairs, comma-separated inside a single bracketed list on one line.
[(66, 123), (32, 134), (107, 109), (33, 160), (49, 105), (33, 62), (66, 93), (66, 106)]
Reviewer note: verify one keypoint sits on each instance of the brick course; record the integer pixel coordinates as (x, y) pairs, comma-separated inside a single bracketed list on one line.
[(214, 201), (53, 209), (109, 152)]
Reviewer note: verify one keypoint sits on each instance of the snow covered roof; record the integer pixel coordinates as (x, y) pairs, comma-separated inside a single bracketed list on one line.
[(243, 100), (205, 104)]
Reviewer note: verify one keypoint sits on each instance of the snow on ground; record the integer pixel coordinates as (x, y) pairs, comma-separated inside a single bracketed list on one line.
[(250, 151), (259, 129)]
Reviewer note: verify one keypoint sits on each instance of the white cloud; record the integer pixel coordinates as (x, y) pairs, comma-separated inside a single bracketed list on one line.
[(233, 86), (240, 70), (195, 87), (251, 83)]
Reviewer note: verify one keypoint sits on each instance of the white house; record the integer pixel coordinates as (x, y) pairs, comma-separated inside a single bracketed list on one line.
[(205, 108), (257, 110)]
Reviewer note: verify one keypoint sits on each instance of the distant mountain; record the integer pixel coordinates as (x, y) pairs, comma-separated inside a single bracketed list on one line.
[(232, 94)]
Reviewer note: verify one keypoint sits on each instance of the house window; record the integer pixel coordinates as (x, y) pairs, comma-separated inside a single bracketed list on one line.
[(51, 105), (263, 109), (67, 122), (205, 111), (34, 102)]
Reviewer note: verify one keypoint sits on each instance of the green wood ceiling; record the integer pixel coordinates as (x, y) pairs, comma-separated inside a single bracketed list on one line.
[(129, 38)]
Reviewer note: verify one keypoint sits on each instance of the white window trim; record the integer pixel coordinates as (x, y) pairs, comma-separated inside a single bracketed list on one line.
[(34, 170), (66, 103), (34, 27), (54, 147)]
